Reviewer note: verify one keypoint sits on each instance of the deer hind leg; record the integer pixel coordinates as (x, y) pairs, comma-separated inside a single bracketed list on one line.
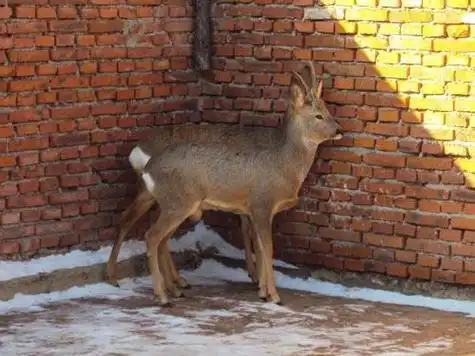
[(258, 255), (169, 264), (263, 228), (165, 225), (174, 210), (248, 237), (176, 278), (166, 268), (142, 203)]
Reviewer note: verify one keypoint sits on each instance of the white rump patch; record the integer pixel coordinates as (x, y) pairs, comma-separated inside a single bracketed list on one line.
[(149, 183), (138, 159)]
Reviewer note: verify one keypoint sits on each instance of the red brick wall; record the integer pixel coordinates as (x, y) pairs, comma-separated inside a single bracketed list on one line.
[(81, 82)]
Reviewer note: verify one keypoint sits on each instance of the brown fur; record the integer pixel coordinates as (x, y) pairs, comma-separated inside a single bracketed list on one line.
[(253, 172), (160, 139)]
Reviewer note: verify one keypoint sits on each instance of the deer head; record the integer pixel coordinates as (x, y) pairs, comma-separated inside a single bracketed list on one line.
[(309, 109)]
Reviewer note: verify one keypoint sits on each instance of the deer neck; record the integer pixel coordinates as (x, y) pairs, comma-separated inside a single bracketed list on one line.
[(298, 151)]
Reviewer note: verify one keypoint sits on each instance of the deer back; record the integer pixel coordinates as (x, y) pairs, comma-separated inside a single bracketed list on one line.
[(228, 167)]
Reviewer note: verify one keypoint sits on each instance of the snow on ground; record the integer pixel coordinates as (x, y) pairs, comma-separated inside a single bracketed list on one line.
[(198, 239), (254, 328), (211, 272), (76, 258), (34, 302), (103, 330)]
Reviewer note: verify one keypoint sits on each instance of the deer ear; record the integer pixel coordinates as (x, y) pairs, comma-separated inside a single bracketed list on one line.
[(298, 96), (319, 89)]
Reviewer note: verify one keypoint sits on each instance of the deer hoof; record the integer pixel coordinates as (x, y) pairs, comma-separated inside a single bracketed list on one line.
[(166, 304), (113, 282), (253, 278), (179, 294), (183, 284)]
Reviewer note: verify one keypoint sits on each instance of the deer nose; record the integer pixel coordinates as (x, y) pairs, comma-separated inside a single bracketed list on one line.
[(338, 133)]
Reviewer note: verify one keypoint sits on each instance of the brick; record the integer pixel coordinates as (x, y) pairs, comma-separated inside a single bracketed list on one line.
[(355, 252), (381, 187), (366, 15), (427, 193), (9, 247), (452, 263), (419, 272), (68, 197), (25, 201), (338, 234), (53, 227), (429, 246), (464, 105), (465, 278), (418, 44), (429, 163), (67, 25), (411, 29), (443, 276), (432, 104), (406, 256), (70, 112), (427, 220), (105, 26), (410, 16), (383, 240), (463, 250), (463, 4), (428, 260), (455, 45), (384, 160), (463, 223), (396, 270)]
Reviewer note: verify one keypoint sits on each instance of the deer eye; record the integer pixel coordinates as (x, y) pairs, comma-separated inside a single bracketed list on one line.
[(319, 117)]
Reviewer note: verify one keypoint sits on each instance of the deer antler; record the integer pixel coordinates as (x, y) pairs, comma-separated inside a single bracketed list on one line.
[(316, 86), (313, 74), (299, 77)]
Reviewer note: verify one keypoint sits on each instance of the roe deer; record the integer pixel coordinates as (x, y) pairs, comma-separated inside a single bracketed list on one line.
[(160, 139), (257, 178)]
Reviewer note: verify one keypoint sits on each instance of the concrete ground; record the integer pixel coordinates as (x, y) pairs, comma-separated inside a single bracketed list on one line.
[(228, 319)]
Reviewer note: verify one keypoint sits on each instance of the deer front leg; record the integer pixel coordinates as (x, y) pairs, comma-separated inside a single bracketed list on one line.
[(176, 278), (165, 267), (262, 224), (247, 233), (156, 237), (157, 278), (174, 210)]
